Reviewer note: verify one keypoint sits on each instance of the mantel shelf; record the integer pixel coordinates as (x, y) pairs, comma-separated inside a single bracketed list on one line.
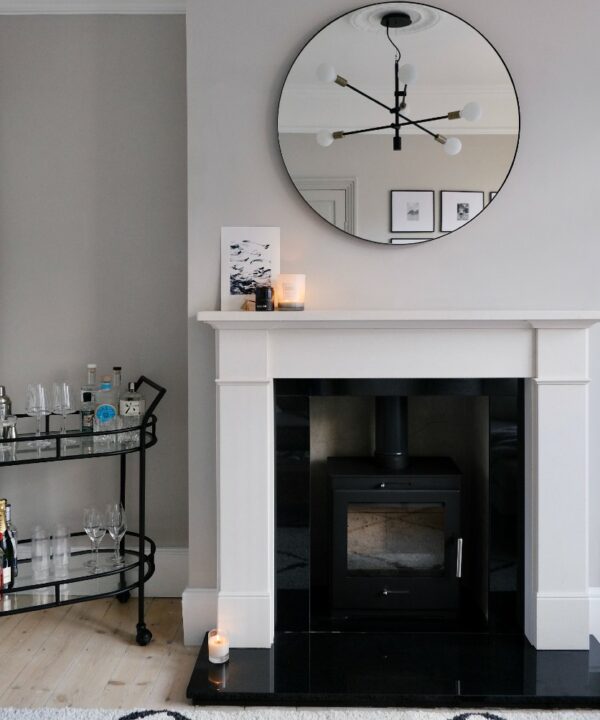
[(384, 319)]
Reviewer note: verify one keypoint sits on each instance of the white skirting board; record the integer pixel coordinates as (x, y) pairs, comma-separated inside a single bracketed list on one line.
[(199, 606), (595, 612), (171, 574)]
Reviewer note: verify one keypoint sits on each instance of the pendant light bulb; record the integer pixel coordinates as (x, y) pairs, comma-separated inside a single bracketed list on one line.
[(452, 146), (326, 73), (471, 112), (407, 74), (325, 138)]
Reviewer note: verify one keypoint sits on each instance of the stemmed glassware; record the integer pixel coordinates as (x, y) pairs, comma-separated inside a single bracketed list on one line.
[(63, 404), (116, 524), (37, 405), (94, 524)]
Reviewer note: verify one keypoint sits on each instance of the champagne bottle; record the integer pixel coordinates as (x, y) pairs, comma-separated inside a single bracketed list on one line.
[(1, 565), (13, 535), (7, 548)]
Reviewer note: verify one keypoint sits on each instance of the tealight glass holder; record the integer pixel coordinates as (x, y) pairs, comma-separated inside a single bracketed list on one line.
[(218, 647)]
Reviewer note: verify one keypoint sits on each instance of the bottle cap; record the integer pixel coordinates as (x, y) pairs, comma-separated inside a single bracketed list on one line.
[(87, 397), (2, 390), (131, 386), (117, 367), (92, 366)]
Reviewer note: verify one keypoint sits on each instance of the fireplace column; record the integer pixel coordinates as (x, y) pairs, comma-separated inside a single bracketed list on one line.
[(245, 469), (556, 502)]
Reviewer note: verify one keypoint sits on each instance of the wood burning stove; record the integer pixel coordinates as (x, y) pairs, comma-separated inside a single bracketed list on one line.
[(396, 540)]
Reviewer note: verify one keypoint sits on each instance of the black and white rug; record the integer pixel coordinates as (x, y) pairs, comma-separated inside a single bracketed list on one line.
[(257, 713)]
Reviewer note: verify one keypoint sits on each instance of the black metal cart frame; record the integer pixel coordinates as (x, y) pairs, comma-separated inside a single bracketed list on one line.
[(140, 559)]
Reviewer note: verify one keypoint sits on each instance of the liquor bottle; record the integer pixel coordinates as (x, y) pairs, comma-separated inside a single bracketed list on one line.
[(1, 565), (92, 384), (105, 412), (87, 411), (7, 548), (117, 381), (13, 535), (132, 407)]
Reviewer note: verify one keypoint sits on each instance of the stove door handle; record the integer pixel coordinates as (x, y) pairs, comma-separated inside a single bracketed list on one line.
[(459, 552)]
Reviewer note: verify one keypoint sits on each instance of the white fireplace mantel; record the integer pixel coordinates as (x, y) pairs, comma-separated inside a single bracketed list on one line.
[(547, 348)]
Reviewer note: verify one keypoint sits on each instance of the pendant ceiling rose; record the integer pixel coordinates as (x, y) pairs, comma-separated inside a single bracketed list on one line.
[(396, 20)]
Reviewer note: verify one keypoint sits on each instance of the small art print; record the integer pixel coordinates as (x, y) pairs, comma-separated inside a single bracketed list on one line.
[(249, 257), (412, 211), (459, 207)]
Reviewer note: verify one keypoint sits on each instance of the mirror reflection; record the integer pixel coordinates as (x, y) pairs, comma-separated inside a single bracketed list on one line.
[(398, 123)]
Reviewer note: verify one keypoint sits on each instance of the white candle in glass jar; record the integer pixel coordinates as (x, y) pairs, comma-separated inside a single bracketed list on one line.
[(290, 291), (218, 647)]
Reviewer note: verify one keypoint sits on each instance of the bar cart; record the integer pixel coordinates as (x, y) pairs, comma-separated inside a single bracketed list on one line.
[(79, 584)]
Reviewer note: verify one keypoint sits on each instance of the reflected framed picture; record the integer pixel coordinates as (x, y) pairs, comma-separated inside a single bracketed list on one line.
[(459, 207), (249, 257), (412, 211)]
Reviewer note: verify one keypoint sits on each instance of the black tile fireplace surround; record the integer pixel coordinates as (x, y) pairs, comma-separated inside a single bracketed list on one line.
[(463, 660), (311, 522)]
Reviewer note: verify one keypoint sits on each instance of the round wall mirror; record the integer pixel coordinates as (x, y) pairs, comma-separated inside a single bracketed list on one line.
[(398, 123)]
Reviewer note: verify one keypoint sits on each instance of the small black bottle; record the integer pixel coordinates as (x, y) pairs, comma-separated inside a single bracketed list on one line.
[(264, 298)]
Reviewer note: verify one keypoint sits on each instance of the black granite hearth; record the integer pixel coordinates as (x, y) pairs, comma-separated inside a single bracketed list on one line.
[(403, 670)]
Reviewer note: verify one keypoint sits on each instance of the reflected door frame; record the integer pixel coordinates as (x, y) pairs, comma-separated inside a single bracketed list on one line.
[(347, 185)]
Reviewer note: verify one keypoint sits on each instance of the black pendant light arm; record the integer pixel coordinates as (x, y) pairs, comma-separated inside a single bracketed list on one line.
[(366, 130), (417, 123), (372, 99)]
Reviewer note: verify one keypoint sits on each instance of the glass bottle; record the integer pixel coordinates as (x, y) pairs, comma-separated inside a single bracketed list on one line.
[(7, 548), (87, 411), (117, 381), (92, 384), (105, 413), (132, 407), (14, 538)]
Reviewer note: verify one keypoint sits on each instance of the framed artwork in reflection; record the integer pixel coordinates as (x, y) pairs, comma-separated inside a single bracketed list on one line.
[(459, 207), (412, 211)]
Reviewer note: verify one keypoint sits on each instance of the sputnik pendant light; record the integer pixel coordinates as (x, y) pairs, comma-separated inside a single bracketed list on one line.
[(403, 75)]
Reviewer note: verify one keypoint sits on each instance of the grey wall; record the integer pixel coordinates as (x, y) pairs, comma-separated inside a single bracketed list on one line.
[(535, 247), (378, 170), (93, 238)]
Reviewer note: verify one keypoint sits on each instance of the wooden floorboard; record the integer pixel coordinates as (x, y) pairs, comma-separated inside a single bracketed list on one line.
[(86, 656)]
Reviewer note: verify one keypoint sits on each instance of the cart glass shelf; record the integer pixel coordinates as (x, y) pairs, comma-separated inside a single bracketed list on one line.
[(78, 583), (75, 445)]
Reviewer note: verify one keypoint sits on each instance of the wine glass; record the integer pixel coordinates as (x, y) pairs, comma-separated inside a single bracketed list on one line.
[(37, 405), (63, 404), (116, 524), (95, 527)]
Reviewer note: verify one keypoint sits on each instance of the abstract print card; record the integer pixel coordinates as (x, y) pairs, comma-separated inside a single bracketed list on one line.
[(249, 257)]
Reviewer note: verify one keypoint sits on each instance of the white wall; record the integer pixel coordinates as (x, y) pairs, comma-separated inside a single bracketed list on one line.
[(534, 248), (93, 240)]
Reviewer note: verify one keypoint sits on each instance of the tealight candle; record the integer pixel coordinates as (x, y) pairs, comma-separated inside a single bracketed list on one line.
[(218, 647), (290, 291)]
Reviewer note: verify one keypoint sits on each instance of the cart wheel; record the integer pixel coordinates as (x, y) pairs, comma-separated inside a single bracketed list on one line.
[(124, 597), (143, 635)]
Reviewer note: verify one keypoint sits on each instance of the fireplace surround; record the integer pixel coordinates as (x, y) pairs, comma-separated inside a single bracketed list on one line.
[(548, 349)]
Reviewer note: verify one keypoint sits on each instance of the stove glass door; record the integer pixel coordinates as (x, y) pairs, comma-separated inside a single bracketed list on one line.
[(395, 539)]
